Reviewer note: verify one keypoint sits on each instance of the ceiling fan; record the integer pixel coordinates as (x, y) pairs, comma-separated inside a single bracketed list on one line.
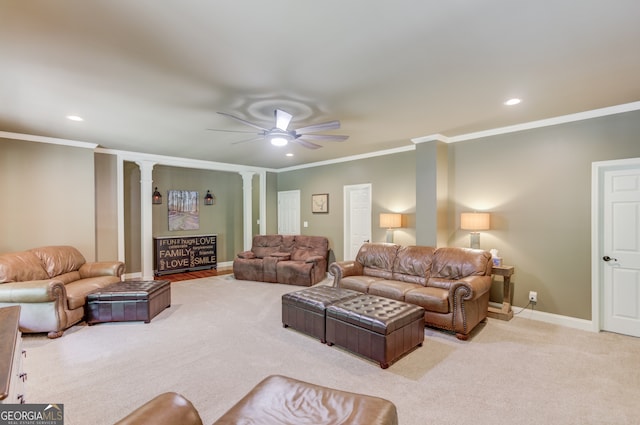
[(280, 135)]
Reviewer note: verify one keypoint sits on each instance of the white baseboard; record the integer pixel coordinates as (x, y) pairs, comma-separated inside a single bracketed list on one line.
[(556, 319)]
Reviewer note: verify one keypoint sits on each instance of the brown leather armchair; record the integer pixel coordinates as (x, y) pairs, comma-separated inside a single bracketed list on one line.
[(51, 285), (275, 400)]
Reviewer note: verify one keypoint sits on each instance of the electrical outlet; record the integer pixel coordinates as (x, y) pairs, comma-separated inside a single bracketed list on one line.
[(533, 296)]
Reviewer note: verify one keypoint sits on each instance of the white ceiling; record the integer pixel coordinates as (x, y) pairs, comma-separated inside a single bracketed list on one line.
[(150, 75)]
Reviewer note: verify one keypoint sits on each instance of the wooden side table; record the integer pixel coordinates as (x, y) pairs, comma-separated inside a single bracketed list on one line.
[(504, 313)]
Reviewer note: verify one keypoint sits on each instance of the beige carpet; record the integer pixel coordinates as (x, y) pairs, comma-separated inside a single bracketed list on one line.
[(221, 336)]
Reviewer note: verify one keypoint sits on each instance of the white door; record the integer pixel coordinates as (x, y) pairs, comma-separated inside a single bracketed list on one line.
[(289, 212), (618, 255), (357, 218)]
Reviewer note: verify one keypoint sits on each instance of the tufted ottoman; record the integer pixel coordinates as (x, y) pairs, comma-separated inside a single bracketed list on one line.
[(305, 310), (128, 301), (378, 328)]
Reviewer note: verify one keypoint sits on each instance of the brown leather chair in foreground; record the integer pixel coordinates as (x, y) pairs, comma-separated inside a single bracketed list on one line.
[(276, 400)]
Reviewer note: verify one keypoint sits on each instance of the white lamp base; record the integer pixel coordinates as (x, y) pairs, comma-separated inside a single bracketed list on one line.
[(474, 238), (389, 235)]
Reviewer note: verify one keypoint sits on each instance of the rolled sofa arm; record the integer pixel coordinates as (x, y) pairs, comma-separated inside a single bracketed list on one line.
[(340, 269), (32, 291), (101, 268), (165, 409), (470, 287)]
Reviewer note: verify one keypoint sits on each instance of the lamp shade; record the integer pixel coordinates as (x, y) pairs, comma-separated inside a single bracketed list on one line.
[(390, 220), (475, 221)]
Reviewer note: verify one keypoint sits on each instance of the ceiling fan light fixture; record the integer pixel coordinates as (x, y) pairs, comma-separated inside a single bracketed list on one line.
[(279, 141)]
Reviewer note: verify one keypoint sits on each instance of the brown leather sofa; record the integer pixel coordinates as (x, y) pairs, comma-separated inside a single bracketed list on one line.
[(275, 400), (451, 284), (289, 259), (51, 285)]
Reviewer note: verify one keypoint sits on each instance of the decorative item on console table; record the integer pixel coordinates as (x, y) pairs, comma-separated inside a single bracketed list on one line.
[(12, 377)]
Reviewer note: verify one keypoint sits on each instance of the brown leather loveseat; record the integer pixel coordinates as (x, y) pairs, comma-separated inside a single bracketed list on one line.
[(451, 284), (51, 285), (290, 259)]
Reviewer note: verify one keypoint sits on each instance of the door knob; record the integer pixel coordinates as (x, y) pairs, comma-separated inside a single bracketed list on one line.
[(607, 258)]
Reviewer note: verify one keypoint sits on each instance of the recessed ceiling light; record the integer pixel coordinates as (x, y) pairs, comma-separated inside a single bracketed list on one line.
[(289, 154), (74, 118), (512, 102)]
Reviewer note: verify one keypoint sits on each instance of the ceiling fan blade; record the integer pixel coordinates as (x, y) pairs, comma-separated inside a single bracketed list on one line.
[(243, 121), (232, 131), (253, 139), (282, 119), (331, 125), (306, 144), (325, 137)]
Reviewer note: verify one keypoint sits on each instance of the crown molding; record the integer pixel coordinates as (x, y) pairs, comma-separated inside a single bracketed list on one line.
[(44, 139), (563, 119)]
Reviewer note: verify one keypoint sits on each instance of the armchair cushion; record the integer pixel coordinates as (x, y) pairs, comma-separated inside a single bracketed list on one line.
[(58, 260), (21, 266)]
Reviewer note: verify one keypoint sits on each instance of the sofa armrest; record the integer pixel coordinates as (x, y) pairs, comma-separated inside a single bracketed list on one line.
[(314, 259), (247, 255), (470, 287), (32, 291), (340, 269), (101, 268), (165, 409)]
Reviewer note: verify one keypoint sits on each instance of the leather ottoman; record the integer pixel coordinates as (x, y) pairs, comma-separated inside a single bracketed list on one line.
[(378, 328), (128, 301), (305, 310), (281, 400)]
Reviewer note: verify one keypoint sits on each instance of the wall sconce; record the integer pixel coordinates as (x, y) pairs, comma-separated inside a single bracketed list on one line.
[(390, 221), (157, 197), (209, 199), (475, 221)]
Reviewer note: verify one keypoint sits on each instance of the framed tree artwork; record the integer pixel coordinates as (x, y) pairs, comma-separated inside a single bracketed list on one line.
[(320, 203)]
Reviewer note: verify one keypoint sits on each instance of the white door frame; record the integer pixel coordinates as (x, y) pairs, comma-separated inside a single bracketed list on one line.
[(597, 175)]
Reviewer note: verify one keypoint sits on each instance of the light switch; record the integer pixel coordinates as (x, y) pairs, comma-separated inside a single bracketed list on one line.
[(305, 224)]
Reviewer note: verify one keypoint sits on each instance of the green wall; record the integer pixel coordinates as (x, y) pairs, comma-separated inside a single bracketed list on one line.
[(47, 194), (224, 218), (393, 180)]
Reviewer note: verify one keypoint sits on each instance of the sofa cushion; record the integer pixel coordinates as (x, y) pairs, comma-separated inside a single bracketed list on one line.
[(358, 283), (378, 259), (456, 263), (431, 299), (413, 264), (77, 291), (309, 246), (263, 245), (58, 260), (393, 289), (21, 267)]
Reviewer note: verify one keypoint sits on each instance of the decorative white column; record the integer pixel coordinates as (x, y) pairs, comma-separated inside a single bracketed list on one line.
[(247, 208), (146, 218)]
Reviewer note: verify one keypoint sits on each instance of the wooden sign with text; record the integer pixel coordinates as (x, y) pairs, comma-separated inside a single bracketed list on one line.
[(183, 253)]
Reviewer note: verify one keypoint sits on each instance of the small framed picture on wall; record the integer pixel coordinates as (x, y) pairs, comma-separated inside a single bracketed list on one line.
[(320, 203)]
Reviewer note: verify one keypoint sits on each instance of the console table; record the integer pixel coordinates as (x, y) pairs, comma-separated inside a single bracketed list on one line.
[(504, 313), (12, 376)]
